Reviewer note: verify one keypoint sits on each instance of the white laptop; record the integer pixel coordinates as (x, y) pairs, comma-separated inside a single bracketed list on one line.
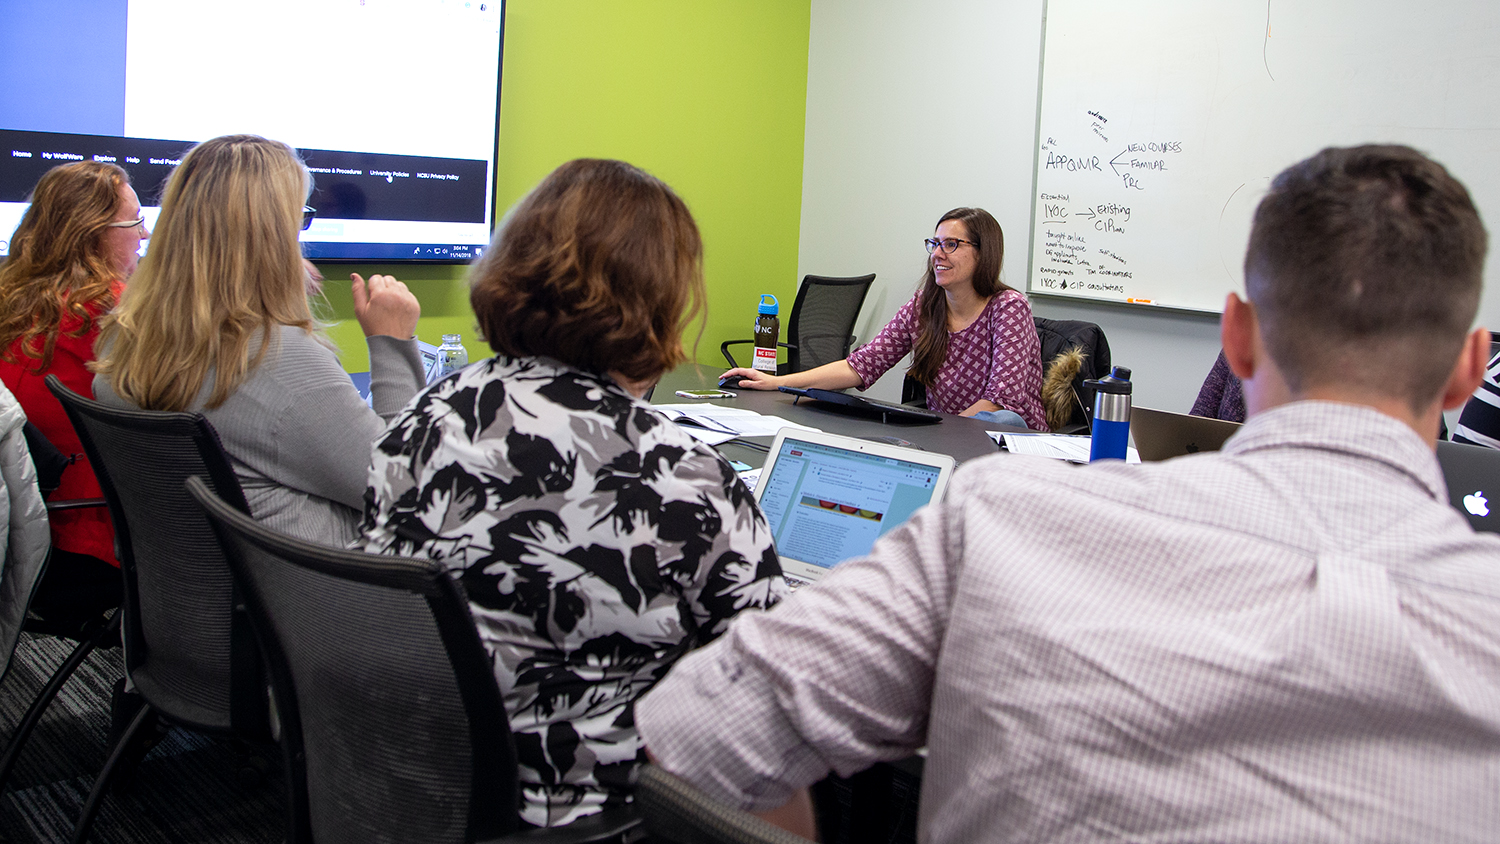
[(828, 497), (429, 355)]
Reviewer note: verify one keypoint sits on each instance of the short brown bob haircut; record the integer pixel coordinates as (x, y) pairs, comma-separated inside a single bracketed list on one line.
[(1365, 266), (600, 267)]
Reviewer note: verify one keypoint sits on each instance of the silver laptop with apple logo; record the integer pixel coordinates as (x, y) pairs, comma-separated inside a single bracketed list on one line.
[(1473, 476)]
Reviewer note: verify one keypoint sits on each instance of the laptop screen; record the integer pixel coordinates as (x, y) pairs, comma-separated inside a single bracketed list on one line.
[(828, 498), (429, 354)]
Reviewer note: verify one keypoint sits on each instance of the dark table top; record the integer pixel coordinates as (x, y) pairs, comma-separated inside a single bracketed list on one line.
[(960, 436)]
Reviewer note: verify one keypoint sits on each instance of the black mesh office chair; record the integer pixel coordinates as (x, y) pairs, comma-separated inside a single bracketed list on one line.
[(392, 724), (1068, 403), (821, 325), (191, 656), (675, 812)]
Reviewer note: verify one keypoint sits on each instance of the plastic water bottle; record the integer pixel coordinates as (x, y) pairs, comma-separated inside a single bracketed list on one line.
[(452, 356), (1111, 431), (767, 332)]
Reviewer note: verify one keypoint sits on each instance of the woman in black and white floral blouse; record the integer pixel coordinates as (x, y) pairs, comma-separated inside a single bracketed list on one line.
[(598, 542)]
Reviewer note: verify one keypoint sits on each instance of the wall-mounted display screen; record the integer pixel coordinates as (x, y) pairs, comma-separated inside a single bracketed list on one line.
[(393, 104)]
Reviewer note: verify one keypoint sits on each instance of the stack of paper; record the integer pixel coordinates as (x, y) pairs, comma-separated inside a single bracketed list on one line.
[(714, 424), (1074, 449)]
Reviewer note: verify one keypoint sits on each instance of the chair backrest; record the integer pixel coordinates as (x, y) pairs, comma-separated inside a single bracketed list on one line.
[(676, 812), (821, 325), (1059, 336), (190, 655), (392, 722), (49, 462)]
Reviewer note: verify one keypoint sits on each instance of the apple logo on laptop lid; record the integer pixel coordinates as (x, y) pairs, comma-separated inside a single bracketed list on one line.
[(1475, 503)]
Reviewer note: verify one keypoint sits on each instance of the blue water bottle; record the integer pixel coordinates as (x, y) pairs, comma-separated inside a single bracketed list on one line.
[(1111, 415)]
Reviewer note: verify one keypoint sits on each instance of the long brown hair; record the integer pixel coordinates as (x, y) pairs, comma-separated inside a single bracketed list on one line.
[(600, 267), (932, 308), (224, 268), (57, 265)]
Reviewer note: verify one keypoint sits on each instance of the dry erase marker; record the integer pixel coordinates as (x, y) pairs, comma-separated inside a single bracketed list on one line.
[(1141, 301)]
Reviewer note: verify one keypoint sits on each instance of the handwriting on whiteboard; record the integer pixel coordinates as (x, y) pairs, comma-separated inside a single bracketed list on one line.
[(1083, 231)]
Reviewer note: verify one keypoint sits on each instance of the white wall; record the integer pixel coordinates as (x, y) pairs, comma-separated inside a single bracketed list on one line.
[(916, 108)]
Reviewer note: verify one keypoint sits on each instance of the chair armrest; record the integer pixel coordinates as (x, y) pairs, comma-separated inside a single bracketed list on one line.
[(609, 825), (733, 364), (74, 504), (724, 349)]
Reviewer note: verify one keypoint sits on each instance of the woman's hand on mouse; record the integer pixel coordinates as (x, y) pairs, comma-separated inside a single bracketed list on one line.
[(753, 378)]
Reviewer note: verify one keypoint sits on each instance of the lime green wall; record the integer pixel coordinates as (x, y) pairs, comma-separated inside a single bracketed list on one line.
[(708, 96)]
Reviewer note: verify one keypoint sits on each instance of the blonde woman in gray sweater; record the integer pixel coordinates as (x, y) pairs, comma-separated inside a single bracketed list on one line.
[(217, 320)]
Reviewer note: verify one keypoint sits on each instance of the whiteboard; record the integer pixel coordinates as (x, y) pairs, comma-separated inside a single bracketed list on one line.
[(1162, 122)]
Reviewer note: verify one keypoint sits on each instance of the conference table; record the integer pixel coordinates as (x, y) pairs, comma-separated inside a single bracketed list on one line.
[(959, 436)]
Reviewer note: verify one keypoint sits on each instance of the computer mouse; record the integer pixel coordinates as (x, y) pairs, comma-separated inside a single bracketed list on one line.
[(730, 382)]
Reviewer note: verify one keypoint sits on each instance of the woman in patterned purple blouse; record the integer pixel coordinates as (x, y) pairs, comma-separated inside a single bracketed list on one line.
[(974, 344)]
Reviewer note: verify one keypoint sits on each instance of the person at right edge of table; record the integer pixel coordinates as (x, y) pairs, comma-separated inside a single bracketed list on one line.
[(1296, 638), (1479, 422), (974, 343), (1221, 396)]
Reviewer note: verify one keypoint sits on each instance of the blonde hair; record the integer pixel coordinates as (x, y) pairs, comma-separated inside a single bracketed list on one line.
[(224, 266), (57, 266)]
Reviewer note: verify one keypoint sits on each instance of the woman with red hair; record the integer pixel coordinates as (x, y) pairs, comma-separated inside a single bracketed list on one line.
[(69, 259)]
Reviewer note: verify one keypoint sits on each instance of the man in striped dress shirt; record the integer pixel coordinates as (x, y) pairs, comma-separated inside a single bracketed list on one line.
[(1293, 639)]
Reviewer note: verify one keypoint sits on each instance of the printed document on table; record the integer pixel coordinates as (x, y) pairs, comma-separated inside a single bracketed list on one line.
[(708, 436), (734, 421), (1073, 449)]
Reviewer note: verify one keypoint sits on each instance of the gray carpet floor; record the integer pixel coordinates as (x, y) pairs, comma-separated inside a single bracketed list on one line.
[(185, 789)]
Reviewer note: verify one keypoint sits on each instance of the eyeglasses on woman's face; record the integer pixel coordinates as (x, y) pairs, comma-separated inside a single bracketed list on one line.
[(947, 244), (308, 213), (126, 224)]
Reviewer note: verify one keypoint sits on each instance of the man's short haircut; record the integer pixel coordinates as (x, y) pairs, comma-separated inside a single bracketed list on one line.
[(600, 267), (1364, 267)]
